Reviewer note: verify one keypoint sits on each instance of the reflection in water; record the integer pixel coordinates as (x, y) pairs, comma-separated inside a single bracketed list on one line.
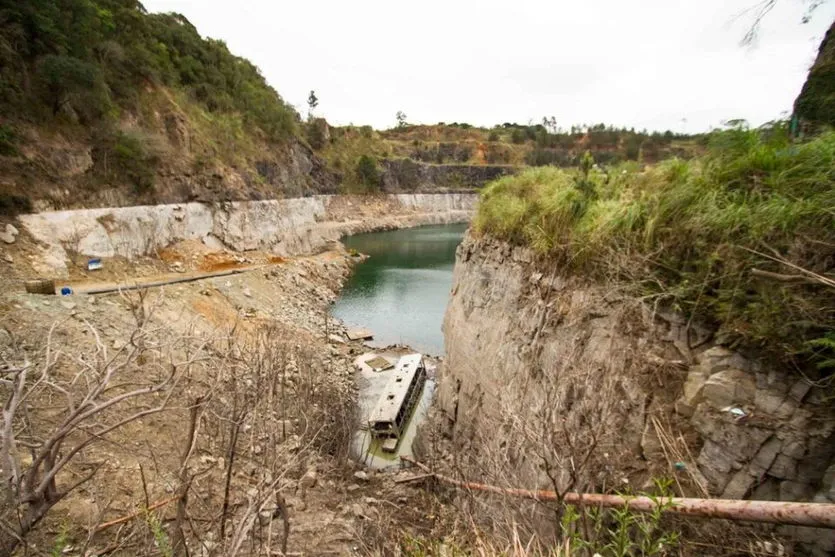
[(401, 291)]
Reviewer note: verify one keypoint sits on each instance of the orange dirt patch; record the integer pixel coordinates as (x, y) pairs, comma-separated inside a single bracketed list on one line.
[(219, 262), (171, 255)]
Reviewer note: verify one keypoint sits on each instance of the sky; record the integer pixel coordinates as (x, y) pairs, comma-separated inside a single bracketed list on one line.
[(654, 64)]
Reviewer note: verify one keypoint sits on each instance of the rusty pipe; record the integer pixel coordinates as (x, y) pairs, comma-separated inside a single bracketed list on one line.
[(819, 515)]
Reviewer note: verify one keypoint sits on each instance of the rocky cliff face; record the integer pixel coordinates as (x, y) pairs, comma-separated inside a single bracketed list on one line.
[(815, 106), (407, 175), (544, 370), (285, 226), (57, 173)]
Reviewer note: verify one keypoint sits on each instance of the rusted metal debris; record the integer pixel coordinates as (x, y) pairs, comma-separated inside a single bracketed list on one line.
[(819, 515)]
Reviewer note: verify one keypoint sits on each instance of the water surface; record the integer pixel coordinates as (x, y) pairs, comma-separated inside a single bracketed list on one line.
[(402, 290)]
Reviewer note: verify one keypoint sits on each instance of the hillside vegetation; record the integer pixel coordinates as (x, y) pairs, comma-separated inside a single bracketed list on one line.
[(509, 144), (742, 238), (90, 59), (104, 103)]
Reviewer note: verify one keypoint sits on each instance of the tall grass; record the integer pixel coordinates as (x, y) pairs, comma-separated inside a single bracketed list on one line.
[(692, 232)]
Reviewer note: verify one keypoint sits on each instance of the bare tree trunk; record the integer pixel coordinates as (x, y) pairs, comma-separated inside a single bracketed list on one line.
[(179, 543)]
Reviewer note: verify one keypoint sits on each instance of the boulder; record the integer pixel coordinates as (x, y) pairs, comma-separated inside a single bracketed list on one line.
[(176, 127), (766, 455), (309, 479), (828, 483), (795, 491), (739, 486), (67, 163), (694, 386), (715, 463), (729, 387), (9, 234), (768, 401), (784, 467)]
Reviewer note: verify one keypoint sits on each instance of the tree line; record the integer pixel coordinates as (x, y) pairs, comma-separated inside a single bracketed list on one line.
[(88, 59)]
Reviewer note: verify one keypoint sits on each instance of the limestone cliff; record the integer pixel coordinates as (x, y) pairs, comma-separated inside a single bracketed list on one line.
[(285, 226), (546, 373)]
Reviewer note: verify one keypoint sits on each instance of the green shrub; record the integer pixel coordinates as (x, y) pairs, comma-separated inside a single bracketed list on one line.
[(316, 131), (8, 140), (14, 204), (367, 174), (691, 232), (517, 136), (130, 156)]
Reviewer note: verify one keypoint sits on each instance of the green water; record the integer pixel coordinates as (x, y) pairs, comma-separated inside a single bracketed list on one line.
[(402, 290)]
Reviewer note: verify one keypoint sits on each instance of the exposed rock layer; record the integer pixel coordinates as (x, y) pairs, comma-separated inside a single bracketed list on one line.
[(517, 329), (408, 175), (283, 226)]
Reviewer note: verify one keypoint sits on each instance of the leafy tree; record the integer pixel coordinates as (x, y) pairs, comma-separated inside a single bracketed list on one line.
[(401, 119), (312, 102), (761, 9), (64, 77), (550, 123)]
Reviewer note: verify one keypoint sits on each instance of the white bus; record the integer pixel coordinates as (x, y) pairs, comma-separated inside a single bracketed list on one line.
[(390, 416)]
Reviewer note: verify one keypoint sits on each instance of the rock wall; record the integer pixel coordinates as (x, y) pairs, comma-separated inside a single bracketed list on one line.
[(815, 106), (524, 340), (284, 226), (407, 175)]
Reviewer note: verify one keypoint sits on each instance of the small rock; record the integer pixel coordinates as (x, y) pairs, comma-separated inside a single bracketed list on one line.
[(361, 475), (68, 305), (309, 479), (8, 258), (247, 292), (9, 235)]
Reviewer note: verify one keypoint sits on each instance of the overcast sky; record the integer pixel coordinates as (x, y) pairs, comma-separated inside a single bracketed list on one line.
[(643, 63)]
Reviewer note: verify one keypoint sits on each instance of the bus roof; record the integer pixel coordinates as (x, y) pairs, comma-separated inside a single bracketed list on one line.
[(395, 392)]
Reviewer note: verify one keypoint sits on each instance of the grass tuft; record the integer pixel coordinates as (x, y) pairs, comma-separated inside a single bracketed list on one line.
[(692, 232)]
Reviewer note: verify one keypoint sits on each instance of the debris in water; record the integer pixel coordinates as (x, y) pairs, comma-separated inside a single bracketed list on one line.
[(359, 334), (379, 364)]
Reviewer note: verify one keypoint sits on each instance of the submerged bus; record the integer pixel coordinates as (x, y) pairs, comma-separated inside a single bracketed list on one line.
[(391, 415)]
